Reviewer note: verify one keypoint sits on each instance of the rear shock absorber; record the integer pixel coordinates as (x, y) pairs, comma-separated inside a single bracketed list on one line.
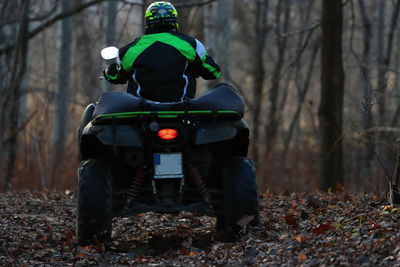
[(199, 183), (136, 185)]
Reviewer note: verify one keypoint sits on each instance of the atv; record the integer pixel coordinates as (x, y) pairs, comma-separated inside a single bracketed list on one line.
[(139, 156)]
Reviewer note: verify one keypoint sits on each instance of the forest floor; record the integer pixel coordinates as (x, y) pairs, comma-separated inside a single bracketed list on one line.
[(297, 229)]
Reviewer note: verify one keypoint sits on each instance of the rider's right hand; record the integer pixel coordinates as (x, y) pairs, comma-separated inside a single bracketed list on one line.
[(111, 72)]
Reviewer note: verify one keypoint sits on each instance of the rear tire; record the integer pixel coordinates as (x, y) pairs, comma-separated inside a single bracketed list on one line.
[(240, 197), (94, 215)]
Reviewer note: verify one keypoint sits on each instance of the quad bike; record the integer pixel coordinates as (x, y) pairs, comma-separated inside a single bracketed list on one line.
[(140, 156)]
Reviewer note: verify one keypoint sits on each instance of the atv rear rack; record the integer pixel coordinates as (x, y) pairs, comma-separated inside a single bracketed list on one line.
[(189, 114)]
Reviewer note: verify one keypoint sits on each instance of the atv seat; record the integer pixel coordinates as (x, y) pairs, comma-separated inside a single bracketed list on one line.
[(219, 100)]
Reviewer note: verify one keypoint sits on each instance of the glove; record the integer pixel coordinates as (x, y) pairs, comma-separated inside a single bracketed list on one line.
[(111, 73)]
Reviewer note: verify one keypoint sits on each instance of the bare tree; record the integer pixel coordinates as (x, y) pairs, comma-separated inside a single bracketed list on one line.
[(271, 129), (111, 30), (223, 27), (381, 84), (258, 72), (367, 87), (9, 140), (332, 89), (63, 94)]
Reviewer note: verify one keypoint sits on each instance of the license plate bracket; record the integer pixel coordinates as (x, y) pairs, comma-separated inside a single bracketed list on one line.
[(168, 165)]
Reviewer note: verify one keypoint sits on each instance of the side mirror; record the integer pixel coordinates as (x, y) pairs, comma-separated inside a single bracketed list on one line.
[(110, 52)]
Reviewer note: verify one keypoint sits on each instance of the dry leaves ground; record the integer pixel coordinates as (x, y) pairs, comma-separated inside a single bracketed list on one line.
[(297, 229)]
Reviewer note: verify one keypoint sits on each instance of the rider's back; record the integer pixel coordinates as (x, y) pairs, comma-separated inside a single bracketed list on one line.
[(163, 64)]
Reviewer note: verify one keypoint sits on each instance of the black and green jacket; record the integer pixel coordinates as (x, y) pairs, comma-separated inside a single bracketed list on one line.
[(163, 65)]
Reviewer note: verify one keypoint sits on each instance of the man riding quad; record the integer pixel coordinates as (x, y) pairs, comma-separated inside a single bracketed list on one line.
[(157, 148), (163, 64)]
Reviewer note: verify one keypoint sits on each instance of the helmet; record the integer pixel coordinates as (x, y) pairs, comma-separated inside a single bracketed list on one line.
[(161, 14)]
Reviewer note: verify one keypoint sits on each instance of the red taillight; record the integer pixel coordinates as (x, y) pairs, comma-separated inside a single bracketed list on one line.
[(167, 134)]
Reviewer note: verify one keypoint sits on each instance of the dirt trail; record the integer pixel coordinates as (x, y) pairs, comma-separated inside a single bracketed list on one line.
[(331, 229)]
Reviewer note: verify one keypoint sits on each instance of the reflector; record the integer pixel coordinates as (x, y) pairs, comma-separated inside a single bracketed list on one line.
[(167, 134)]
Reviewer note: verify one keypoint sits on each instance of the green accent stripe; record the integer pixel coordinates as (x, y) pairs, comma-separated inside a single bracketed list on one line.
[(147, 40), (136, 113), (126, 114), (115, 77), (159, 114), (213, 70), (200, 112), (210, 68), (167, 116)]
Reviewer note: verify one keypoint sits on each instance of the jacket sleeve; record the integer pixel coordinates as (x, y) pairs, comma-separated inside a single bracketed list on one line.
[(204, 65), (115, 73)]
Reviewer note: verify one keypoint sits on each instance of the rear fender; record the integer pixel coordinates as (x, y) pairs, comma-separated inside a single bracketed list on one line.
[(115, 135), (86, 118), (213, 132)]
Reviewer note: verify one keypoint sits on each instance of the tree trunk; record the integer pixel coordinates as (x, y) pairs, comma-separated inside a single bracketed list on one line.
[(62, 96), (332, 89), (367, 91), (17, 74), (223, 35), (271, 129), (389, 47), (260, 33), (381, 61), (111, 32), (84, 61), (394, 182), (209, 13)]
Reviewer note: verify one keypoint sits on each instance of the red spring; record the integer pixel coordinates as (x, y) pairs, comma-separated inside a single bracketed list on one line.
[(137, 183), (199, 183)]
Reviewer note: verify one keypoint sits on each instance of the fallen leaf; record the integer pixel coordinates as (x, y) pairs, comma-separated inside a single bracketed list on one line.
[(190, 251), (298, 238), (386, 207), (321, 229), (302, 257), (80, 255), (291, 220)]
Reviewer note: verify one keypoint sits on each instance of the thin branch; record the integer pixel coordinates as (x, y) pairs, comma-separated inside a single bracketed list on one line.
[(37, 18), (297, 57), (289, 34), (185, 5), (52, 21)]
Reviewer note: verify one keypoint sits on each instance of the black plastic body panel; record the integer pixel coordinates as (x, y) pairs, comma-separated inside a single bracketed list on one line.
[(212, 132), (119, 135)]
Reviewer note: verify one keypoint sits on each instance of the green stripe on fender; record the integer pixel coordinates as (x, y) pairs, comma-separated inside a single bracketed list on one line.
[(124, 114), (136, 113), (159, 114), (147, 40), (168, 116)]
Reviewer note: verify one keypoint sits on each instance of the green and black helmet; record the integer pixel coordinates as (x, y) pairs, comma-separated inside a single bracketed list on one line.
[(161, 14)]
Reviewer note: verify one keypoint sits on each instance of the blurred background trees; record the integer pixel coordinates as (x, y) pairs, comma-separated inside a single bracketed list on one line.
[(280, 55)]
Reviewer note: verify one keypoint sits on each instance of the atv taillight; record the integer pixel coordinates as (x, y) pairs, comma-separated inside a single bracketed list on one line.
[(167, 134)]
